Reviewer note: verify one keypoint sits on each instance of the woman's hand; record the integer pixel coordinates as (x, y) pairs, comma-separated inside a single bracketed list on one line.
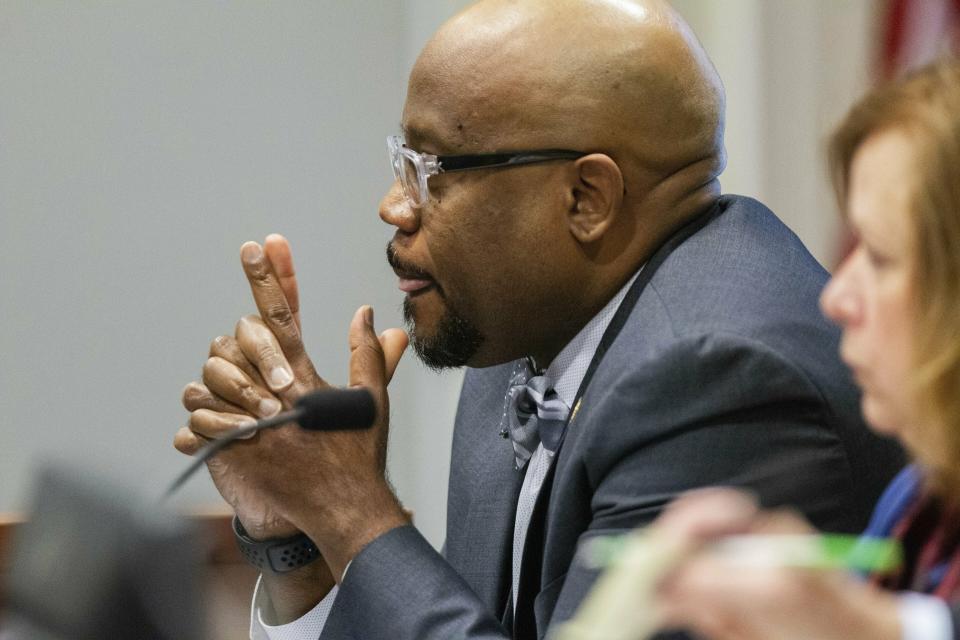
[(722, 600)]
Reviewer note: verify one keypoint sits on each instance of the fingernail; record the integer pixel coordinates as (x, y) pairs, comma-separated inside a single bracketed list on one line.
[(280, 377), (368, 316), (250, 252), (246, 423), (269, 407)]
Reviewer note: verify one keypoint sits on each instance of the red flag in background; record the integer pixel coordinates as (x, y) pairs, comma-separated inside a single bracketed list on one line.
[(913, 32), (917, 31)]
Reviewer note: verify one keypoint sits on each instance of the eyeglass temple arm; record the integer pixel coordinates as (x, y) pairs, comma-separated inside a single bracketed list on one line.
[(490, 160)]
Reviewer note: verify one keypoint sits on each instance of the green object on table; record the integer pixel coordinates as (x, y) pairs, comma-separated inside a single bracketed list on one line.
[(621, 604), (825, 551), (880, 555)]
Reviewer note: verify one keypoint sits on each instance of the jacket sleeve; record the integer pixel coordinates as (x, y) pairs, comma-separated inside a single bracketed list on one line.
[(714, 410), (399, 587)]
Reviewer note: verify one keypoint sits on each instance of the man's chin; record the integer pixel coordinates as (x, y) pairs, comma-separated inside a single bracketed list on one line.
[(449, 342), (434, 358)]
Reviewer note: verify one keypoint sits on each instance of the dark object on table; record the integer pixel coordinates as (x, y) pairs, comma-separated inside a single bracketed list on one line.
[(95, 562)]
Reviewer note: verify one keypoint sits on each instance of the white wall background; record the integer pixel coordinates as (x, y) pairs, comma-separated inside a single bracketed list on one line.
[(141, 144)]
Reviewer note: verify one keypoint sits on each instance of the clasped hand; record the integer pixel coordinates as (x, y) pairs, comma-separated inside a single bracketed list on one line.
[(329, 485)]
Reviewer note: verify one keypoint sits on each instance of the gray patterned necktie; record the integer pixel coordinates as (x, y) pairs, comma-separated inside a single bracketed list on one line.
[(535, 415)]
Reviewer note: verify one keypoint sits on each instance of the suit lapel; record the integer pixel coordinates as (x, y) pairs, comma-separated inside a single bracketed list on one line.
[(484, 487), (490, 524)]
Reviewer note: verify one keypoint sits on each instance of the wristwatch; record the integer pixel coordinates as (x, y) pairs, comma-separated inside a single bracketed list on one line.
[(277, 555)]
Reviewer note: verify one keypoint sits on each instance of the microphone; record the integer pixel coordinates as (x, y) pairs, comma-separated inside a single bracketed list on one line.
[(336, 410), (323, 410)]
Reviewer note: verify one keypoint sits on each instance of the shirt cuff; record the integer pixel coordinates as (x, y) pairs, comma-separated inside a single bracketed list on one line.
[(307, 627), (923, 617)]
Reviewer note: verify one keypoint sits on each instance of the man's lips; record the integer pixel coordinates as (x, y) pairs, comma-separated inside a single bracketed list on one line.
[(412, 280), (414, 285)]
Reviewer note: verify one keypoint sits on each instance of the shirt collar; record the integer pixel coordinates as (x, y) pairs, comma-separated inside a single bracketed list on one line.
[(566, 372)]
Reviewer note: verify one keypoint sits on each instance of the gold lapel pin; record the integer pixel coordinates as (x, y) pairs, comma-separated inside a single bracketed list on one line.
[(576, 408)]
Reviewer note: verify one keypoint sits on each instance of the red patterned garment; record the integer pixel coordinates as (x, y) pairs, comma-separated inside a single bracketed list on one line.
[(930, 534)]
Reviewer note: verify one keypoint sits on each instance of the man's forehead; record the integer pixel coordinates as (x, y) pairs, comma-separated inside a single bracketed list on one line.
[(446, 117), (470, 78), (425, 137), (431, 127)]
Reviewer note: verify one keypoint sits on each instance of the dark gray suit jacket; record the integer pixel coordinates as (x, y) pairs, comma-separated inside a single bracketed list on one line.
[(718, 369)]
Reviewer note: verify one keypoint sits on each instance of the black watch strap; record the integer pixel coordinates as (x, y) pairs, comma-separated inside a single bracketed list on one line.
[(278, 555)]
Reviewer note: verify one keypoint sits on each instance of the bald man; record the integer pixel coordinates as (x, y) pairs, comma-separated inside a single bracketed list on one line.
[(632, 334)]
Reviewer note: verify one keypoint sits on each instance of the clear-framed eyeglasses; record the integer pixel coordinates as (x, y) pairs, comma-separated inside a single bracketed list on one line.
[(413, 169)]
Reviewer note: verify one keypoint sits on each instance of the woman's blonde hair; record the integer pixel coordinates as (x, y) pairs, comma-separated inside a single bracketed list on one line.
[(926, 106)]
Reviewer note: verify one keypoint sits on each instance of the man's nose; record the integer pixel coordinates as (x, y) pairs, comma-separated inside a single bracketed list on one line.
[(395, 209)]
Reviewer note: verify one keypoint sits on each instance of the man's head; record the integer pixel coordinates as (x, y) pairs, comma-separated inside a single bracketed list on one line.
[(516, 260)]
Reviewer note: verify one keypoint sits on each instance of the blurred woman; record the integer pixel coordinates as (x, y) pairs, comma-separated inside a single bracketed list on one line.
[(896, 167)]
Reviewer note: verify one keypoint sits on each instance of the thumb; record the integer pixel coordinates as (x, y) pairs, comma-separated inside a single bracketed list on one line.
[(394, 343), (368, 366)]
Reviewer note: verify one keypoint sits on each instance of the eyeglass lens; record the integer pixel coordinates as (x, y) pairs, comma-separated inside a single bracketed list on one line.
[(411, 180), (405, 170)]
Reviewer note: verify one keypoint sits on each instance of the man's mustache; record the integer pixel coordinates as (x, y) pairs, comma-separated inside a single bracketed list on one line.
[(404, 267)]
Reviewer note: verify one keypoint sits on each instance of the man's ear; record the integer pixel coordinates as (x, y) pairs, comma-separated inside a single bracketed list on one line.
[(597, 197)]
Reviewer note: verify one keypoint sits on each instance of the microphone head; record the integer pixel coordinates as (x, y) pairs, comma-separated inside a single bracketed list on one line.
[(337, 409)]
